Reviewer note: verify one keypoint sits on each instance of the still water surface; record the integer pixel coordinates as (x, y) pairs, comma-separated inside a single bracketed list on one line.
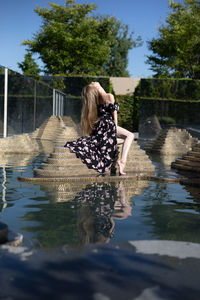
[(77, 214)]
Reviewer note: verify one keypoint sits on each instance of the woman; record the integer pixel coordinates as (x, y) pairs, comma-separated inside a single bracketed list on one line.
[(98, 147)]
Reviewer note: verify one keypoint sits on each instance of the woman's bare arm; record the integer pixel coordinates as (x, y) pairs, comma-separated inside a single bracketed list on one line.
[(111, 99), (115, 117), (106, 98)]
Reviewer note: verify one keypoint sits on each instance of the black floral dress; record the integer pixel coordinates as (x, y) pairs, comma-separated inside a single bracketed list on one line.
[(98, 151)]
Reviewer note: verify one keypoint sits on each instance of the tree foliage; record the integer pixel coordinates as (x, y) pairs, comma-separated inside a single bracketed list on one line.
[(29, 66), (72, 41), (121, 43), (176, 52)]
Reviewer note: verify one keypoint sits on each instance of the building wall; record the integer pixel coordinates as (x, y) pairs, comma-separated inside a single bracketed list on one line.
[(124, 85)]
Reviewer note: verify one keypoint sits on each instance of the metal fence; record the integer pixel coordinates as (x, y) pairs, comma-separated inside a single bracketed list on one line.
[(59, 101), (26, 103)]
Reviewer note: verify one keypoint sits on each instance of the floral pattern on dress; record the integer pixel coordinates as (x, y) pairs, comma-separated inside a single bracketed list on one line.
[(98, 151)]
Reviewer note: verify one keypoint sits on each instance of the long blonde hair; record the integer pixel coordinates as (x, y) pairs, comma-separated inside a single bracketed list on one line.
[(89, 114)]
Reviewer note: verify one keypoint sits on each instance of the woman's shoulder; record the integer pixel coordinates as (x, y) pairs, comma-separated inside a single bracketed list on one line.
[(109, 106)]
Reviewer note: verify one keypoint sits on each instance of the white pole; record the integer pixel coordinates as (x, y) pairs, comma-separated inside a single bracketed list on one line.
[(5, 103), (54, 101)]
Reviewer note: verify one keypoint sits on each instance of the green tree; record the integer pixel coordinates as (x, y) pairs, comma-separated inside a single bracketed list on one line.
[(121, 43), (176, 52), (29, 67), (72, 41)]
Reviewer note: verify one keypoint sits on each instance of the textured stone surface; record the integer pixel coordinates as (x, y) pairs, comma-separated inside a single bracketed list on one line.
[(54, 129), (62, 163), (172, 141), (189, 162), (57, 129), (62, 192), (18, 144), (89, 178)]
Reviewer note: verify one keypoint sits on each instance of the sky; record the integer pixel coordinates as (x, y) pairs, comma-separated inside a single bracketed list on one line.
[(19, 22)]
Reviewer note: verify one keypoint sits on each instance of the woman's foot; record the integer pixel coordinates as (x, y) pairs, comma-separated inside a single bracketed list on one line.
[(121, 165)]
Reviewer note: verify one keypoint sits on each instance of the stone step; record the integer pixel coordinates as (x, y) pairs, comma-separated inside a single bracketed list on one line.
[(68, 167), (68, 133), (68, 172), (188, 162), (78, 164), (75, 160), (191, 158), (47, 127), (136, 152), (193, 153), (62, 155), (185, 168), (61, 149), (64, 139), (135, 148), (135, 163), (196, 149), (63, 162), (58, 155), (139, 169)]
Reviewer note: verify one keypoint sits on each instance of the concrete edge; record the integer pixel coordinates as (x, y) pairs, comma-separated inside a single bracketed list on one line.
[(102, 179)]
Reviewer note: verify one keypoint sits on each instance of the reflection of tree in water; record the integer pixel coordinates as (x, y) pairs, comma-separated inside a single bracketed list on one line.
[(88, 218), (169, 216)]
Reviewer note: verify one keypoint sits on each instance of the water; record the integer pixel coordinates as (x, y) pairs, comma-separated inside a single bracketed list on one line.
[(77, 214)]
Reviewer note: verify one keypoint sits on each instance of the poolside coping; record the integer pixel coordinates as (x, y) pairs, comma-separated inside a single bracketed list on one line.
[(101, 178)]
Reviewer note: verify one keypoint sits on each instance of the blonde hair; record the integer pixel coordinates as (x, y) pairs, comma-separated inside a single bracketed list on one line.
[(89, 114)]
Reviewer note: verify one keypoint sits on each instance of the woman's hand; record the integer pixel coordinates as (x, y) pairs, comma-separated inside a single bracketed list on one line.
[(106, 97), (99, 88), (109, 98)]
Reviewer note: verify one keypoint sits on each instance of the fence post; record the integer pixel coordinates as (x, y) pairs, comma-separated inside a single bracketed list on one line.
[(35, 103), (58, 103), (54, 101), (5, 103)]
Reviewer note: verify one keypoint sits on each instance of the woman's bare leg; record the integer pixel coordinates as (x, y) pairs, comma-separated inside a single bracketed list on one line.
[(128, 138)]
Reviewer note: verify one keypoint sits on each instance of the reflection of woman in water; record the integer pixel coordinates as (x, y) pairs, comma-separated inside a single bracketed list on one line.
[(122, 208), (99, 204)]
